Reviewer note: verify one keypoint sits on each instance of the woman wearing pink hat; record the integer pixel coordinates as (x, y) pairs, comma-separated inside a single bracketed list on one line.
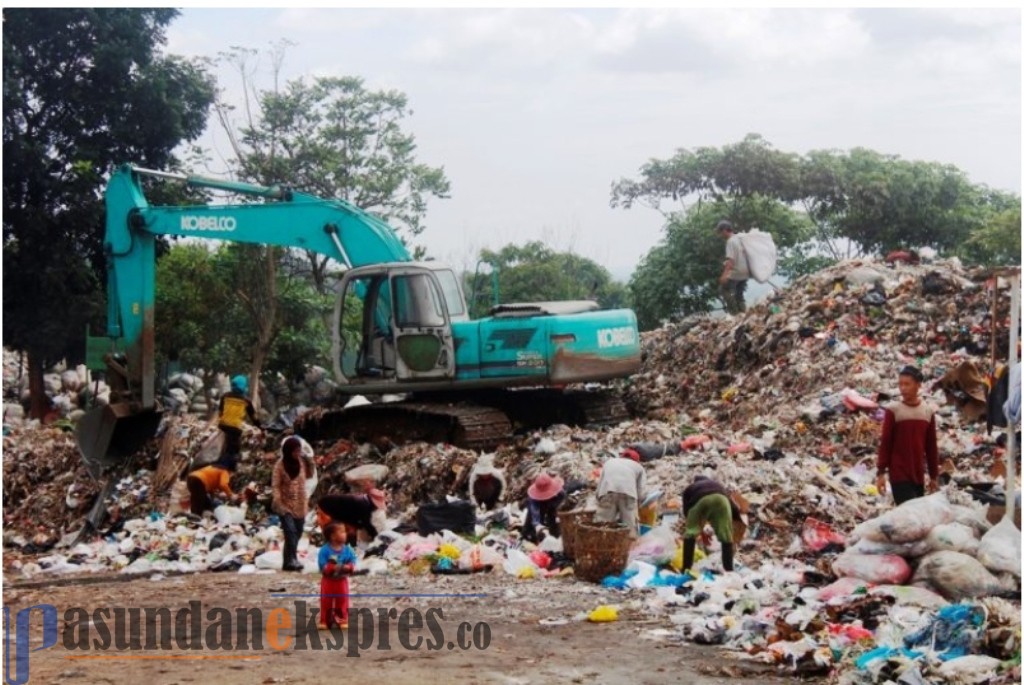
[(543, 497)]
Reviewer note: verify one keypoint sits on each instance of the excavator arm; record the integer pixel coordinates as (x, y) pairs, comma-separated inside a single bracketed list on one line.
[(276, 216)]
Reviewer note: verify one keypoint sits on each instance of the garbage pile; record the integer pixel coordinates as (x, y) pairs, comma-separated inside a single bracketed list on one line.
[(787, 361)]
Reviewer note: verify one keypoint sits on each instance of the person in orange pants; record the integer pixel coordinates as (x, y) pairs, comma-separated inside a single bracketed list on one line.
[(337, 560)]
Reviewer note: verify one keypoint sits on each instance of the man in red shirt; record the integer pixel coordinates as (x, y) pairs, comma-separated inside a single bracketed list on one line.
[(908, 442)]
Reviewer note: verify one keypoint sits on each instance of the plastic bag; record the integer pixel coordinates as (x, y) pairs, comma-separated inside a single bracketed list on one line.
[(480, 556), (956, 576), (842, 588), (517, 563), (180, 499), (953, 537), (603, 614), (227, 515), (271, 560), (817, 535), (210, 450), (657, 546), (908, 522), (907, 550), (874, 568), (999, 550), (974, 668)]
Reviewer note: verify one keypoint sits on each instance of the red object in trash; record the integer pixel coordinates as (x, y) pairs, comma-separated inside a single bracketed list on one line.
[(817, 535), (693, 442), (540, 558)]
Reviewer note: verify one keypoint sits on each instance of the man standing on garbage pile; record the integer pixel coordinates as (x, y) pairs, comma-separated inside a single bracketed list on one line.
[(209, 480), (543, 497), (360, 512), (288, 485), (909, 442), (707, 501), (232, 412), (623, 484), (732, 284)]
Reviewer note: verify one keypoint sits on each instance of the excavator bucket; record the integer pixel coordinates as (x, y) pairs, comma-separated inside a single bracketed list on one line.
[(109, 434)]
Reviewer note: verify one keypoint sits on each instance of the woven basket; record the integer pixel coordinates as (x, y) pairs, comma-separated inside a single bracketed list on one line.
[(568, 522), (602, 549)]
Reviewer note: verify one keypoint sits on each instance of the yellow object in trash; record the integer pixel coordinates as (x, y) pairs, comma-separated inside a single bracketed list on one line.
[(648, 515), (871, 490), (729, 394), (677, 560), (603, 614), (526, 573), (449, 550)]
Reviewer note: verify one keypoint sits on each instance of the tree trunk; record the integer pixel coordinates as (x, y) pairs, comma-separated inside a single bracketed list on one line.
[(39, 404)]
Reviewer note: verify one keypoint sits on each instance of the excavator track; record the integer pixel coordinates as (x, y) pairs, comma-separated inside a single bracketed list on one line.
[(466, 425), (484, 423)]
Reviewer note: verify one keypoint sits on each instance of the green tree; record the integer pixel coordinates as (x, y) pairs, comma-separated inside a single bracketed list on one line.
[(333, 138), (997, 242), (84, 90), (679, 276), (535, 273)]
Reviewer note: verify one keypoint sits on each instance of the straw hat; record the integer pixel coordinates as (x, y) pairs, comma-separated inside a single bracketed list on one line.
[(544, 487)]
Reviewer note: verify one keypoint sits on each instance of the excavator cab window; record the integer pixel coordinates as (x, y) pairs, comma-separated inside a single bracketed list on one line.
[(417, 302)]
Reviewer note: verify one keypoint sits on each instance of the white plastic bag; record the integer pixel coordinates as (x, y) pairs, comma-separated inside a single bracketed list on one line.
[(907, 550), (874, 568), (517, 562), (227, 515), (761, 254), (999, 550), (970, 670), (954, 537), (210, 450), (657, 546), (956, 576), (272, 560), (909, 522)]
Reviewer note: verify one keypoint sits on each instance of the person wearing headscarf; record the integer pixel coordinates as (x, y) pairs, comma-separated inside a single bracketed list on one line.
[(288, 486), (234, 409), (486, 483)]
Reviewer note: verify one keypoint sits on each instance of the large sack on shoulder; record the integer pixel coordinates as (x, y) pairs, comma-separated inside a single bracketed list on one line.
[(999, 550), (761, 254), (885, 568), (953, 537), (957, 576), (908, 522)]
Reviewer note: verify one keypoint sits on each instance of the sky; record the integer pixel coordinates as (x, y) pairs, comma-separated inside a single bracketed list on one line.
[(534, 113)]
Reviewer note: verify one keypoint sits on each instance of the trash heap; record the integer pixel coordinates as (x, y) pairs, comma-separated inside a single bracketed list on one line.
[(793, 361)]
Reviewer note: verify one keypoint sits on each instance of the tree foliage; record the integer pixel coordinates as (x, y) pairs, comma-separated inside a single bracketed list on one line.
[(84, 90), (331, 137), (820, 207), (535, 273)]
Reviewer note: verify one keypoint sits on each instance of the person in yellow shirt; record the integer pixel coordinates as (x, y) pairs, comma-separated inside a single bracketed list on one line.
[(210, 480), (235, 408)]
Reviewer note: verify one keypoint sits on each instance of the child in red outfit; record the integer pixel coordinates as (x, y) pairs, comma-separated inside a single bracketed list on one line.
[(337, 560)]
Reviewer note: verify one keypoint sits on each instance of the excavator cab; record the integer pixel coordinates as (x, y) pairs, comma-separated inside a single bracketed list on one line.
[(393, 324)]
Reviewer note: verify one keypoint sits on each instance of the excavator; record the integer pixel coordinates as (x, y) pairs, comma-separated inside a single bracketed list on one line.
[(467, 382)]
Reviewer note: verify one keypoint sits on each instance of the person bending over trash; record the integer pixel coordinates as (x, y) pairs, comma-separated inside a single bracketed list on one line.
[(622, 486), (361, 511), (232, 412), (210, 480), (288, 484), (909, 442), (707, 501), (543, 497), (337, 561)]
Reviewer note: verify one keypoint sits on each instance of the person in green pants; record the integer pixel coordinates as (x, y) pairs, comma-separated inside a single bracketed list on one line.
[(707, 501)]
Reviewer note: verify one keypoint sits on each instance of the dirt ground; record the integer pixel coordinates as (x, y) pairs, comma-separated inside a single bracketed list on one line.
[(533, 635)]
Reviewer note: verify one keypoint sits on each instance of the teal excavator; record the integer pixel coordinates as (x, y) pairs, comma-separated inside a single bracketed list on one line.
[(467, 382)]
